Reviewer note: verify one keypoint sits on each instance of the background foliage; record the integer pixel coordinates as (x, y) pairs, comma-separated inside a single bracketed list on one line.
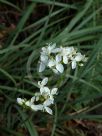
[(25, 27)]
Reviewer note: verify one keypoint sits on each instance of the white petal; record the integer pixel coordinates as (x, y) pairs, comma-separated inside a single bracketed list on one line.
[(33, 107), (47, 90), (70, 50), (81, 64), (39, 107), (20, 101), (58, 58), (73, 64), (48, 110), (65, 59), (51, 47), (79, 57), (56, 50), (52, 99), (32, 99), (55, 71), (54, 91), (39, 83), (28, 103), (85, 58), (37, 94), (37, 98), (51, 63), (44, 58), (42, 67), (60, 68), (64, 51), (44, 49), (44, 81), (48, 102), (42, 90), (36, 107)]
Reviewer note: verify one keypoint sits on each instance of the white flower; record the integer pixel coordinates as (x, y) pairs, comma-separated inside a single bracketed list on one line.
[(28, 103), (37, 96), (51, 94), (55, 71), (43, 107), (53, 58), (79, 57), (64, 54), (47, 103), (42, 67), (42, 84), (71, 51), (43, 62), (43, 92), (37, 107), (74, 64), (56, 64), (49, 49), (20, 101), (45, 55), (47, 93), (33, 99), (46, 51)]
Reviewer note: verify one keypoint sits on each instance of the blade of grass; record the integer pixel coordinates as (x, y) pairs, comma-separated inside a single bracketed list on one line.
[(42, 20), (85, 82), (8, 76), (55, 3), (55, 122), (14, 48), (82, 32), (10, 131), (82, 116), (28, 123), (93, 56), (83, 39), (21, 23), (45, 25), (93, 108), (10, 4), (16, 90), (70, 90), (86, 20), (77, 17), (88, 98)]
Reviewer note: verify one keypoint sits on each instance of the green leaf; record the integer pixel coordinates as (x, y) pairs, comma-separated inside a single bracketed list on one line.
[(28, 123), (8, 76)]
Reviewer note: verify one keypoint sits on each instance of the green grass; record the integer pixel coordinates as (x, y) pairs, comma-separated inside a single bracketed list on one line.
[(77, 24)]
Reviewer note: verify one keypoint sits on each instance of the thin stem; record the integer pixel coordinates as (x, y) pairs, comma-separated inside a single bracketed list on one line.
[(55, 121)]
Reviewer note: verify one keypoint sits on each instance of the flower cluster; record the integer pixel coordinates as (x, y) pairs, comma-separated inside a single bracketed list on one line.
[(41, 100), (55, 58)]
